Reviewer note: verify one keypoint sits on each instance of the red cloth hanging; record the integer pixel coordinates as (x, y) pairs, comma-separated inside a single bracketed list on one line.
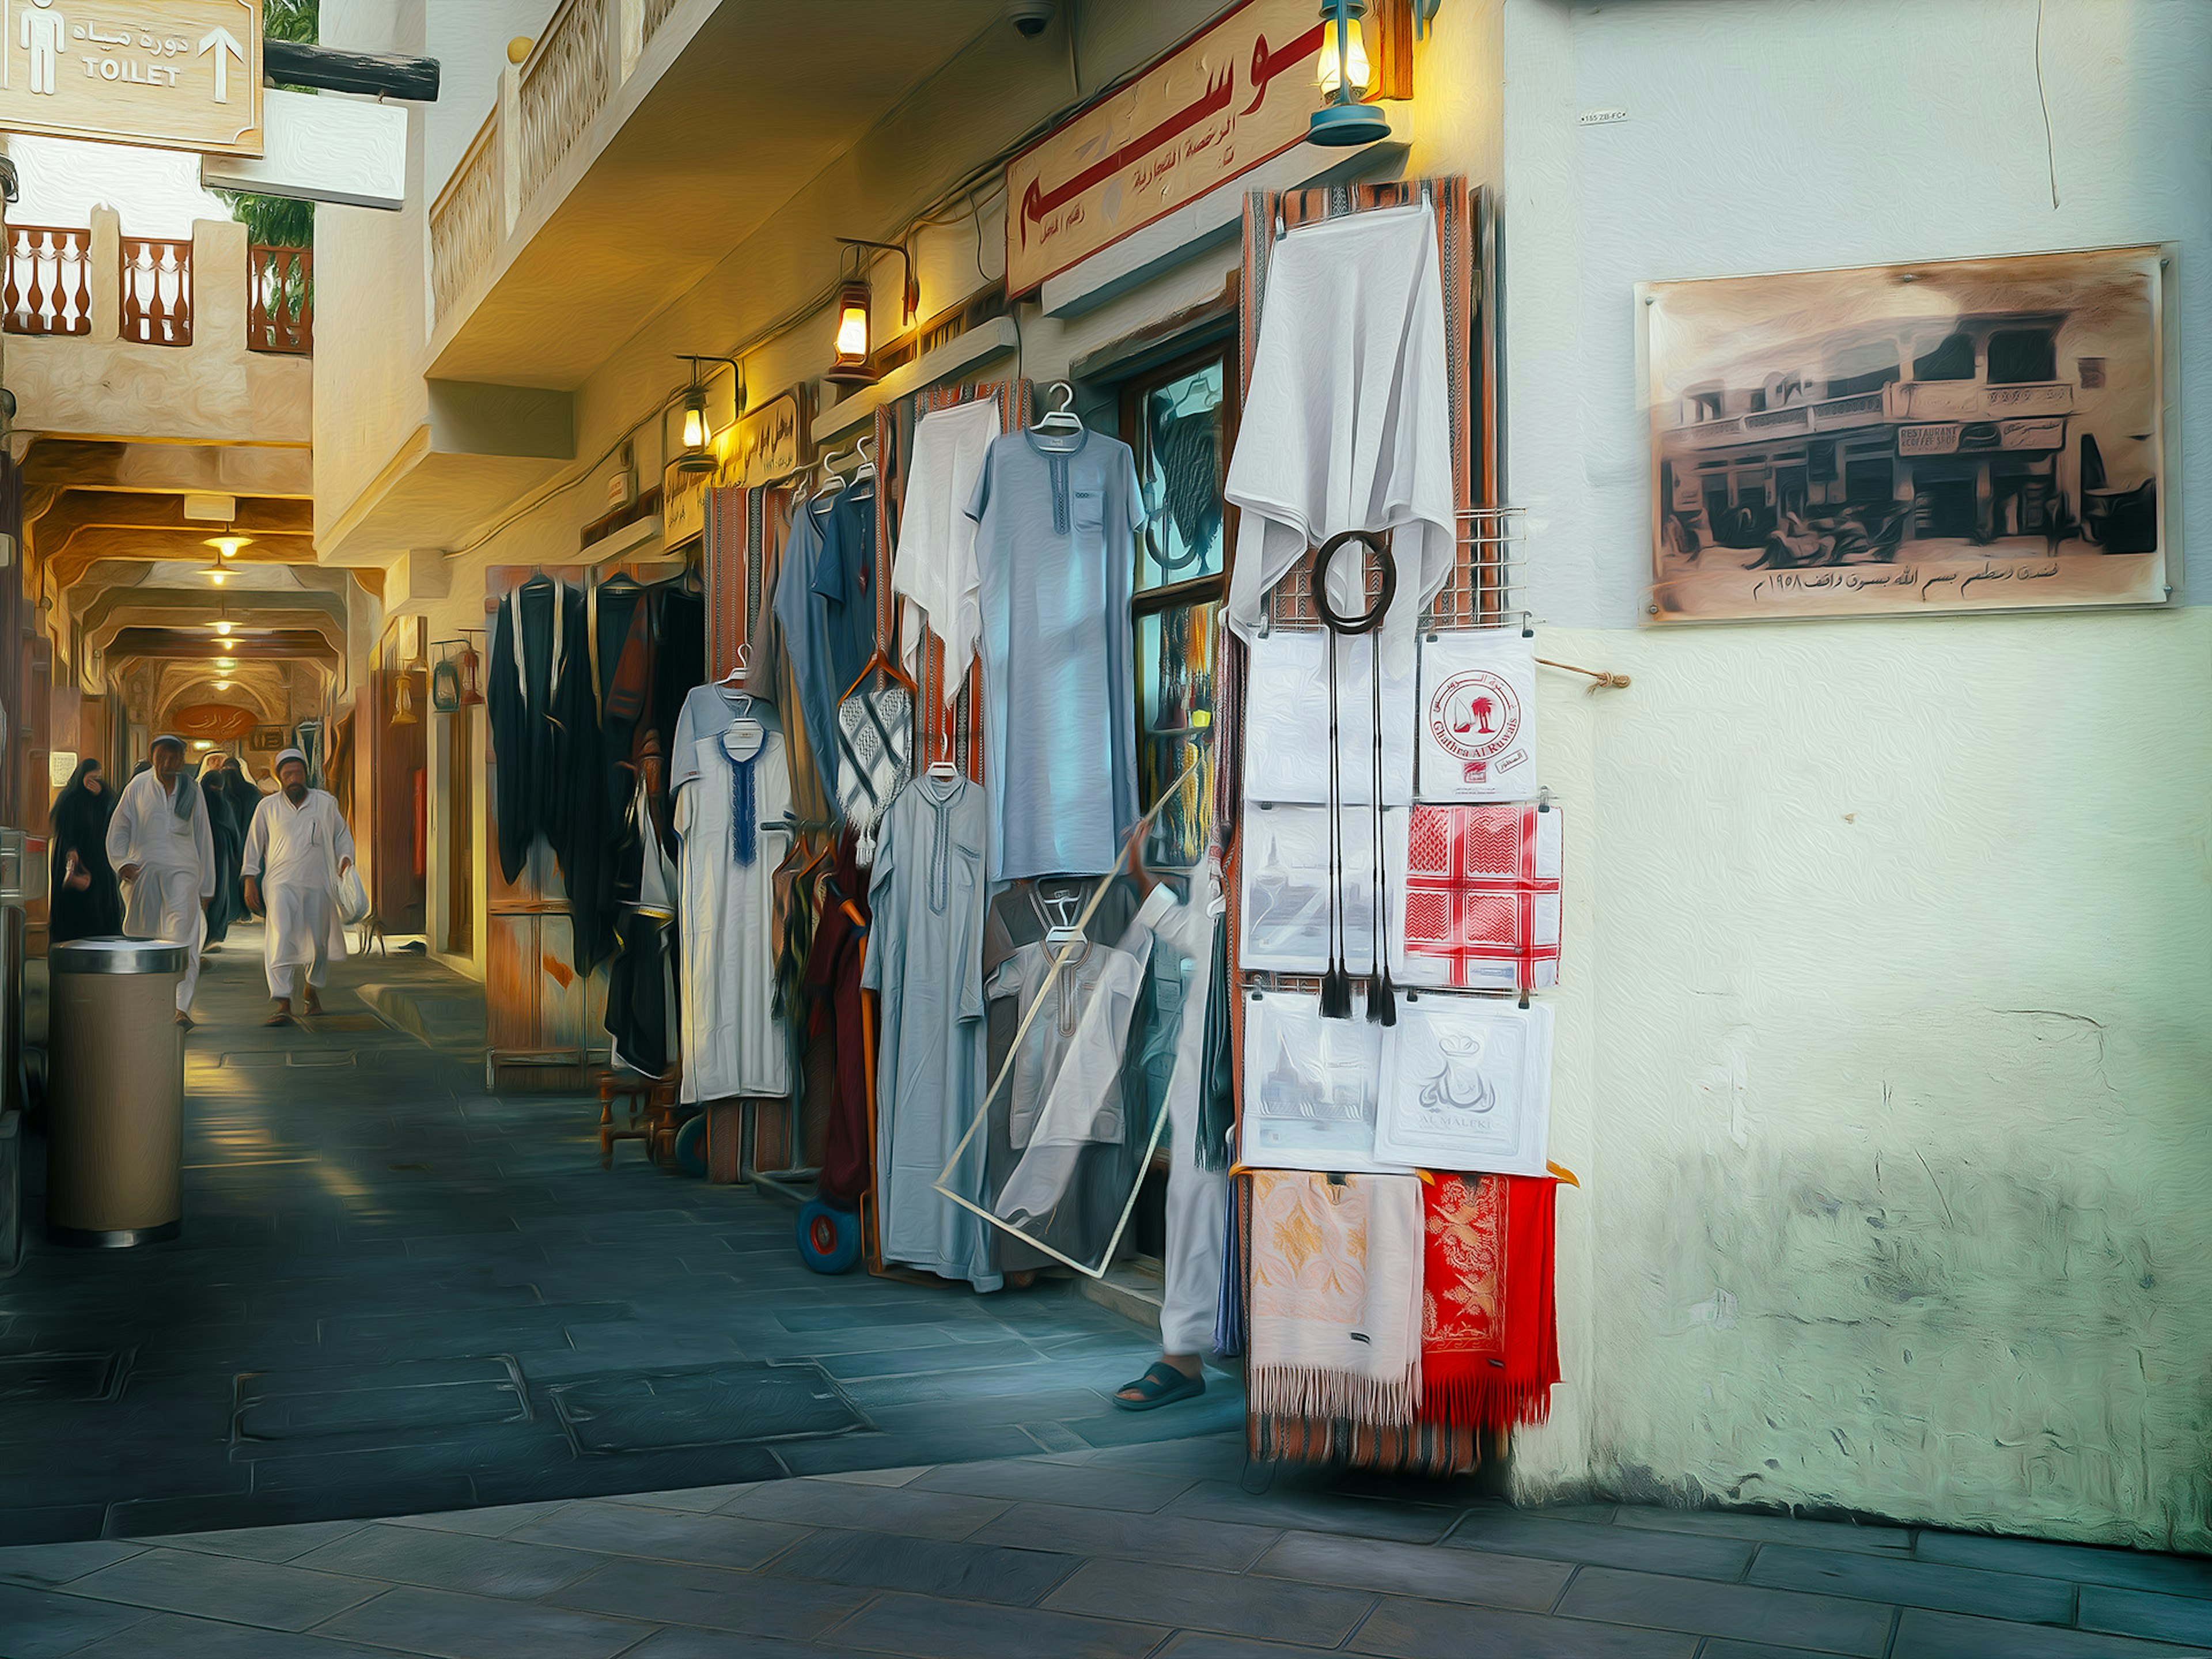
[(1490, 1331)]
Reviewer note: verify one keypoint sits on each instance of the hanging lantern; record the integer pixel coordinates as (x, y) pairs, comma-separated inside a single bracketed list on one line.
[(696, 437), (470, 666), (853, 347), (403, 701), (1344, 73)]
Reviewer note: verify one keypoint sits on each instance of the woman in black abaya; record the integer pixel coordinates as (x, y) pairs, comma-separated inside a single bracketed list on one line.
[(85, 902)]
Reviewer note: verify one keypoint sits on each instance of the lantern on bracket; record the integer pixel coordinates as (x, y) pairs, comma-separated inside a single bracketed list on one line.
[(1344, 73), (695, 452), (851, 364)]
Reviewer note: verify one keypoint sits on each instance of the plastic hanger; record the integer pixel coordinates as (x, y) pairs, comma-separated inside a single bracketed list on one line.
[(866, 472), (1063, 419)]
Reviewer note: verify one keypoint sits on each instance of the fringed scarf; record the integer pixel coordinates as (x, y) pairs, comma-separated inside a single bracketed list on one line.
[(1490, 1337), (1336, 1296)]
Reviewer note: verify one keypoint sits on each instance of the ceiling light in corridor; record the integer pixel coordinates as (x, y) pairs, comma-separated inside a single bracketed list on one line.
[(228, 545)]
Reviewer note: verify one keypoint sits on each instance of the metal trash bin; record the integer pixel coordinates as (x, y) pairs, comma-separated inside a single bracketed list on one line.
[(115, 1092)]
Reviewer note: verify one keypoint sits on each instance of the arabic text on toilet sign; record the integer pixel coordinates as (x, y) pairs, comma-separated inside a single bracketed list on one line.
[(174, 74), (1236, 95)]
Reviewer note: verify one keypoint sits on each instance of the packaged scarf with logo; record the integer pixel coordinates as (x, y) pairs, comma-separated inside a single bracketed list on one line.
[(1479, 897), (1467, 1085)]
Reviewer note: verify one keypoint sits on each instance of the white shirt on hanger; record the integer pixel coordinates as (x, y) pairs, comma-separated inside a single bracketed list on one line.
[(935, 572), (1347, 423)]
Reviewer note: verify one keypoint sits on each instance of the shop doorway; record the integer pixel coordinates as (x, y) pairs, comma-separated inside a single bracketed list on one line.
[(397, 799)]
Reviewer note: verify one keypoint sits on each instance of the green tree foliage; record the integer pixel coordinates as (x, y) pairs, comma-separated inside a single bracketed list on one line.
[(279, 221)]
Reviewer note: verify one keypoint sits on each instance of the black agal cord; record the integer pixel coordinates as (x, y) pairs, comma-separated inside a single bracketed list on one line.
[(1336, 983)]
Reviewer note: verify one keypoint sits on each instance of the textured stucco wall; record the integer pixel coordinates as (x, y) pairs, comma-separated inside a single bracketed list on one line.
[(1883, 1051)]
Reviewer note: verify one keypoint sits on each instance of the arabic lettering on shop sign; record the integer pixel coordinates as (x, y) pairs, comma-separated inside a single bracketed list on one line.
[(1231, 97)]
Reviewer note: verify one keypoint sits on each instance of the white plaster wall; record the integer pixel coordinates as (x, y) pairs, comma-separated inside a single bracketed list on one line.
[(469, 40), (1898, 934), (372, 292)]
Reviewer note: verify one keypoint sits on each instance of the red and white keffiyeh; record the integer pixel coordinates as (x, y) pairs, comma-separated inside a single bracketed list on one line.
[(1482, 896)]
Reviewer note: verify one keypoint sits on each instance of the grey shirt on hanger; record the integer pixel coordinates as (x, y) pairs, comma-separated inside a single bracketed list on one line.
[(1055, 546)]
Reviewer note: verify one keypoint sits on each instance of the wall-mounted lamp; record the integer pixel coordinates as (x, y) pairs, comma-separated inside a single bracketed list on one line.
[(1343, 73), (697, 453), (853, 348)]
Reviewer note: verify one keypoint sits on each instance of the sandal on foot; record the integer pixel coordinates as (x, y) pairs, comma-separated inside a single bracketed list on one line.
[(1160, 1385), (277, 1019)]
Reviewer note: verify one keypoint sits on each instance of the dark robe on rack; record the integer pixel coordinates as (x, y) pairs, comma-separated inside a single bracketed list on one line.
[(547, 747), (833, 979), (79, 822), (228, 836), (679, 658)]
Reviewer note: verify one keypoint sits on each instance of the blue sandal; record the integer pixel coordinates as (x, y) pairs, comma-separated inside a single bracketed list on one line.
[(1161, 1384)]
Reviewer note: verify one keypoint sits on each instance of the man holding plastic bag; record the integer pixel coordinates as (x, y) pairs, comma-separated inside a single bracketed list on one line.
[(298, 854)]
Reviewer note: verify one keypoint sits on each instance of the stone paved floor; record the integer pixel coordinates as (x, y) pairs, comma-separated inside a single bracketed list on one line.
[(1174, 1549), (395, 1293)]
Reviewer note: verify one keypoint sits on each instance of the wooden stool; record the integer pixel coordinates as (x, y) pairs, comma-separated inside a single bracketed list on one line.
[(651, 1104)]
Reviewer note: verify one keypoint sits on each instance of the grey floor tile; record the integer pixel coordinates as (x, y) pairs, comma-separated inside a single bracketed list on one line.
[(1205, 1644), (682, 1644), (1434, 1630), (453, 1561), (1915, 1583), (1766, 1528), (872, 1508), (276, 1544), (1828, 1623), (2139, 1613), (491, 1522), (1050, 1483), (1923, 1634), (2086, 1564), (1268, 1610), (225, 1587), (1314, 1512), (925, 1566), (38, 1624), (714, 1598), (444, 1625), (1176, 1540), (56, 1564), (172, 1636), (1717, 1649), (882, 1477), (692, 1500), (1513, 1532), (1418, 1569), (616, 1528), (928, 1629)]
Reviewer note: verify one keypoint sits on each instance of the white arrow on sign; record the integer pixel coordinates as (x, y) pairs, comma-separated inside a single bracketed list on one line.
[(220, 42)]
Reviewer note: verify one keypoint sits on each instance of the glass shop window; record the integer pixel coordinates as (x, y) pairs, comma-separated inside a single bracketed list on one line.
[(1181, 422)]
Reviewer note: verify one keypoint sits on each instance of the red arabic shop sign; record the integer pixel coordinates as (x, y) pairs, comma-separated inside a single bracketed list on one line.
[(1233, 96)]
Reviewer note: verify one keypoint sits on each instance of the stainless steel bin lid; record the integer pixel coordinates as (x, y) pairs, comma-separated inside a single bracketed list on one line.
[(116, 954)]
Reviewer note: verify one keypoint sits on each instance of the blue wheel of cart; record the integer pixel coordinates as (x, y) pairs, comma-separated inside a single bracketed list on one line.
[(829, 1238), (690, 1148)]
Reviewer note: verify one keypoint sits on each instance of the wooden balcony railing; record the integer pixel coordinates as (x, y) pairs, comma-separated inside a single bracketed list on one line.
[(280, 299), (48, 288), (157, 291)]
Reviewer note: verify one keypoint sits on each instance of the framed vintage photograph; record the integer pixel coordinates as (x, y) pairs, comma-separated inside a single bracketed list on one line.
[(1971, 435)]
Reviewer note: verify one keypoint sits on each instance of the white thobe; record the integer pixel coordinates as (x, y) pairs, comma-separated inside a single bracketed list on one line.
[(732, 1043), (1347, 423), (176, 870), (1197, 1197), (295, 852), (935, 575)]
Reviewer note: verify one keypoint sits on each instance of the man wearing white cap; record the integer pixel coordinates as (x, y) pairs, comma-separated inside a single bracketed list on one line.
[(159, 844), (297, 848)]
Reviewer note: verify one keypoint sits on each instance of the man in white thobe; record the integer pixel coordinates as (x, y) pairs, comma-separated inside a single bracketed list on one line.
[(297, 848), (159, 844)]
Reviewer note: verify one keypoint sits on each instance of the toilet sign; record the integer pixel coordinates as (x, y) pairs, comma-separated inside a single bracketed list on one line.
[(174, 74)]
